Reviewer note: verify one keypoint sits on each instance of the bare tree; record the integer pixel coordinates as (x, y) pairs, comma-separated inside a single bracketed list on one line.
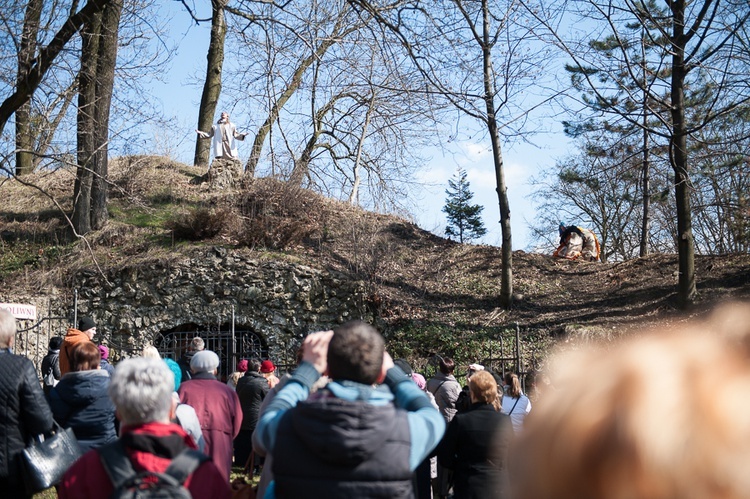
[(704, 39), (476, 55), (340, 114), (38, 68)]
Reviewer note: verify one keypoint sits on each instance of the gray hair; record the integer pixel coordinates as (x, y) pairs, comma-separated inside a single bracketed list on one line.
[(197, 344), (141, 390), (7, 328)]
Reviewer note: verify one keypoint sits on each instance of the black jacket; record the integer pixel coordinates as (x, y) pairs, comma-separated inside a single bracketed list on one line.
[(475, 446), (338, 449), (251, 389), (80, 401), (184, 363), (51, 361), (23, 413)]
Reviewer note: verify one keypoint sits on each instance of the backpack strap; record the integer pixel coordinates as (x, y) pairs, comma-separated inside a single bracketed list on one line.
[(185, 464), (119, 468), (116, 463), (438, 388)]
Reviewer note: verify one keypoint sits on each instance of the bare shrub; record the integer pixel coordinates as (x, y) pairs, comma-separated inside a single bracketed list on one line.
[(278, 216), (198, 223)]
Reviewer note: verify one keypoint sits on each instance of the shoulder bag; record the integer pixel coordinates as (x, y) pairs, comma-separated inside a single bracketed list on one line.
[(46, 459)]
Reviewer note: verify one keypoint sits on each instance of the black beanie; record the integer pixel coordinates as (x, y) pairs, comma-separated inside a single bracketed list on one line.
[(404, 365), (86, 323)]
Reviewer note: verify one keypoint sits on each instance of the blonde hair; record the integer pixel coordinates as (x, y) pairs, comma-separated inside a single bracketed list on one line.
[(150, 352), (514, 385), (660, 415), (483, 388)]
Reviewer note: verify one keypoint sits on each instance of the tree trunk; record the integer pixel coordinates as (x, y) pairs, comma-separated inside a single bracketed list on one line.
[(645, 167), (212, 85), (85, 122), (506, 283), (105, 78), (354, 195), (686, 288), (26, 52), (26, 87)]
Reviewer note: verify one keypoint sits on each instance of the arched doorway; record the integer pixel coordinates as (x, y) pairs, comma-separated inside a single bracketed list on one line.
[(230, 346)]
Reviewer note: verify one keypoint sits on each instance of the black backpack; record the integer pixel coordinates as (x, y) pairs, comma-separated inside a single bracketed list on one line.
[(148, 484), (463, 402)]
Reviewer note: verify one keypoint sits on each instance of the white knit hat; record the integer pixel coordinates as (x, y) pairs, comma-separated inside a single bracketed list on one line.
[(204, 361)]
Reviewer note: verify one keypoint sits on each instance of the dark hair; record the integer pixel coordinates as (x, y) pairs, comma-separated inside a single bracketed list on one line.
[(356, 353), (85, 356), (55, 342), (447, 366), (253, 365)]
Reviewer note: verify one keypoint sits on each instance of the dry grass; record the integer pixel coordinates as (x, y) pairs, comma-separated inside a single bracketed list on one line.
[(412, 276)]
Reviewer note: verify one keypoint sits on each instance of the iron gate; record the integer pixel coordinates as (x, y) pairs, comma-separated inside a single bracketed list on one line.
[(230, 347)]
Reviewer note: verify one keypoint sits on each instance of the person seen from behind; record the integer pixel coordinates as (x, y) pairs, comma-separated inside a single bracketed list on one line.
[(445, 389), (80, 400), (196, 345), (51, 364), (252, 388), (217, 407), (85, 333), (141, 390), (351, 438), (268, 370), (476, 444), (104, 363), (515, 403), (24, 412), (233, 378)]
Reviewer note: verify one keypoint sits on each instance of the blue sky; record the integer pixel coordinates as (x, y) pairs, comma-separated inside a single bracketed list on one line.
[(180, 96)]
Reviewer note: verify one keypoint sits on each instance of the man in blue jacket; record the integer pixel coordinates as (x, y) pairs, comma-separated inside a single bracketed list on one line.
[(353, 438)]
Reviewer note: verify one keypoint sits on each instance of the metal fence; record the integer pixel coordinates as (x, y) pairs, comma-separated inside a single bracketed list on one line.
[(230, 346), (32, 339)]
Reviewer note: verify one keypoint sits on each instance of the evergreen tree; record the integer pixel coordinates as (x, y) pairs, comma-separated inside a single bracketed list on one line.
[(464, 219)]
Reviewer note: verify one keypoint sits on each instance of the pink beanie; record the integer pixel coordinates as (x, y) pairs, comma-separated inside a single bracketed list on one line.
[(419, 380), (104, 351)]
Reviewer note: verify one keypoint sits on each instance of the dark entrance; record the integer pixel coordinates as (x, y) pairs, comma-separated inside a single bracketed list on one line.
[(230, 346)]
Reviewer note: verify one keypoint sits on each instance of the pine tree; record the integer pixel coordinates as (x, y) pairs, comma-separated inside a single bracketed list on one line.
[(464, 219)]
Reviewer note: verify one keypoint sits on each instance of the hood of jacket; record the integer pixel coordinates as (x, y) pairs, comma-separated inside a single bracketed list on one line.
[(80, 388), (342, 431)]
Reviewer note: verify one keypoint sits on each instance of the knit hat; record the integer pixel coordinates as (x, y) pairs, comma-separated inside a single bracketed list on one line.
[(86, 323), (267, 366), (176, 372), (204, 361), (473, 368), (404, 365), (104, 351), (419, 380), (242, 365)]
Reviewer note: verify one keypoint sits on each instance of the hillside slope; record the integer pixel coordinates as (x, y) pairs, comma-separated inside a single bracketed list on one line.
[(416, 280)]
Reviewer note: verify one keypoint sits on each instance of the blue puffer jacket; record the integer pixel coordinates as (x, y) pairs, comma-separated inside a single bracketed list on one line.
[(80, 401)]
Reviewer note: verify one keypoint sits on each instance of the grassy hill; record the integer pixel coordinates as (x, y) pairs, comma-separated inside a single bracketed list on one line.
[(432, 295)]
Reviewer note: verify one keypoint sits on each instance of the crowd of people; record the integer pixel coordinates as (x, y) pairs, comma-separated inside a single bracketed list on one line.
[(642, 418)]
